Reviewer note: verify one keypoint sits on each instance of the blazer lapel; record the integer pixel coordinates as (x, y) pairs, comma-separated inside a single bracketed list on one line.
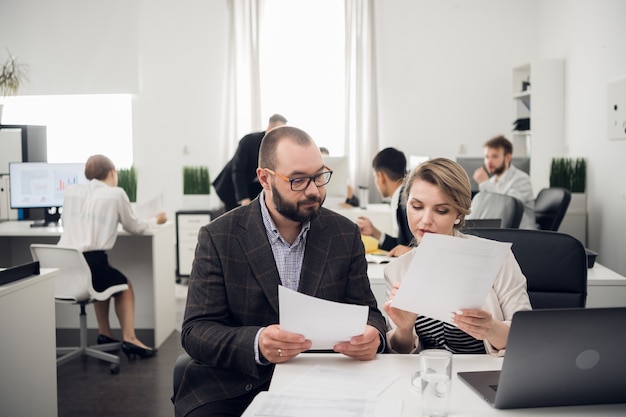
[(315, 256), (256, 249)]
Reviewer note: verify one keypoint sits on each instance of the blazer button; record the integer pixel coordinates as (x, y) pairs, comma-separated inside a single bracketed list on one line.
[(248, 387)]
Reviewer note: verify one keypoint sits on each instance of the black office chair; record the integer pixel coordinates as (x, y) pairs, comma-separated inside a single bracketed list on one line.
[(486, 205), (550, 207), (179, 369), (555, 265)]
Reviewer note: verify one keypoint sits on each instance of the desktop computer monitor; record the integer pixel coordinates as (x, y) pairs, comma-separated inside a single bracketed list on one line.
[(337, 188), (42, 185), (470, 164)]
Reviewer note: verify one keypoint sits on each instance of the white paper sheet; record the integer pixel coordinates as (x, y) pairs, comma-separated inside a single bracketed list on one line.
[(450, 273), (323, 322), (269, 404), (324, 381), (150, 208)]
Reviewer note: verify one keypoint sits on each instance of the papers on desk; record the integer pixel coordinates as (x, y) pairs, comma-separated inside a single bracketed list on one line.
[(323, 322), (325, 391), (449, 273), (378, 258)]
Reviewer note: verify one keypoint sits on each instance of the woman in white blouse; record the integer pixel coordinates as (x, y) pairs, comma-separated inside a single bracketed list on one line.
[(91, 213), (438, 197)]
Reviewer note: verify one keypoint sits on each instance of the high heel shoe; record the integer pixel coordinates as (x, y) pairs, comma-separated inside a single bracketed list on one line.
[(104, 339), (131, 350)]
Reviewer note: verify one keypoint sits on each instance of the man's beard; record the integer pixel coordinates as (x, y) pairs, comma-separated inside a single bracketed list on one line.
[(294, 211), (500, 170)]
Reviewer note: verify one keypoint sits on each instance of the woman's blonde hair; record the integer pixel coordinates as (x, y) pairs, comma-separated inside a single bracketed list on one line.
[(449, 177)]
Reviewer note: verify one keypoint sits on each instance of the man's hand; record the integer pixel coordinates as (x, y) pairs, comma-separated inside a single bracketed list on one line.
[(363, 347), (367, 228), (279, 346), (480, 175)]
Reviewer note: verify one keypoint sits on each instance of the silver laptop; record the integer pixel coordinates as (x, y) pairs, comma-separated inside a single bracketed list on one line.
[(559, 357)]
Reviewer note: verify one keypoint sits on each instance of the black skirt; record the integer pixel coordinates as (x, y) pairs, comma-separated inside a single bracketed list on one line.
[(103, 275)]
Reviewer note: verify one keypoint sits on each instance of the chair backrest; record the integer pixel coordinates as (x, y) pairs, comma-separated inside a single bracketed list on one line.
[(550, 207), (487, 205), (179, 370), (555, 265), (73, 282)]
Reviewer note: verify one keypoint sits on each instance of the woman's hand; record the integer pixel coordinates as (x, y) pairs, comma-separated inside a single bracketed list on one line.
[(404, 320), (481, 325)]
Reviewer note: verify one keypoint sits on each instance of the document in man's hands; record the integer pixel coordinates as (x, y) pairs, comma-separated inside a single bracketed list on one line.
[(323, 322), (449, 273)]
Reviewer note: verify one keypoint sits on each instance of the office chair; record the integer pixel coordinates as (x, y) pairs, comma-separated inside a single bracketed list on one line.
[(179, 369), (73, 285), (550, 207), (555, 265), (487, 205)]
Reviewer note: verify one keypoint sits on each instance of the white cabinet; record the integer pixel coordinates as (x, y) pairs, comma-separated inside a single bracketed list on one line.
[(543, 102), (188, 223)]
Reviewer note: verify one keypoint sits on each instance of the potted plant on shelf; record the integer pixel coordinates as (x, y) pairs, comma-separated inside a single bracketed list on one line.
[(196, 187), (127, 179), (12, 77)]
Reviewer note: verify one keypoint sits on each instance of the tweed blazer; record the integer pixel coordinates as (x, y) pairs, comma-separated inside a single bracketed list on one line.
[(233, 292)]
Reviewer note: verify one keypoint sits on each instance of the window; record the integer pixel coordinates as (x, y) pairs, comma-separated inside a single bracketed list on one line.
[(78, 125), (302, 67)]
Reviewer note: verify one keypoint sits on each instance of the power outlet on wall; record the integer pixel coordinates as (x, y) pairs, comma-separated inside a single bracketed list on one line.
[(617, 109)]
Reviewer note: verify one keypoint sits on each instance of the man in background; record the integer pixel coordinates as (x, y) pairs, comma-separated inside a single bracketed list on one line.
[(237, 184), (390, 169), (498, 175)]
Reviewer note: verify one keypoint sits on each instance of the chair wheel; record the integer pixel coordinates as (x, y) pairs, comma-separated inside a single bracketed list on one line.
[(114, 369)]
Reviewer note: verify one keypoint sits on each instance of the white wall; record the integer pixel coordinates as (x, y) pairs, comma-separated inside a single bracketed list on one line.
[(590, 36), (444, 77)]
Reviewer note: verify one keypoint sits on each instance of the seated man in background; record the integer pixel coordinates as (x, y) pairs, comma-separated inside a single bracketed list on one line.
[(499, 176), (389, 169), (283, 237)]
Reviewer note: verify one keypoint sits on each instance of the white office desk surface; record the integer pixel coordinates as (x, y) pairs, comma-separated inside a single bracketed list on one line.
[(28, 380), (464, 402), (148, 260), (605, 287)]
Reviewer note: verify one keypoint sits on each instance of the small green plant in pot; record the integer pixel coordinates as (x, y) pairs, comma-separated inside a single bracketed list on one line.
[(12, 76), (196, 180), (127, 179)]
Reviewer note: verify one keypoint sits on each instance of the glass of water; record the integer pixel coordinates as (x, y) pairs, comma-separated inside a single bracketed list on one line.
[(436, 377)]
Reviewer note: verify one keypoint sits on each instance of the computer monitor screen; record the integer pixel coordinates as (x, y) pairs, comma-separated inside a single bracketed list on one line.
[(338, 185), (470, 164), (42, 184)]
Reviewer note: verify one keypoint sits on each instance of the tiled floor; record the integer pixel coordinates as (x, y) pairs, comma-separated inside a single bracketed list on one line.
[(142, 388)]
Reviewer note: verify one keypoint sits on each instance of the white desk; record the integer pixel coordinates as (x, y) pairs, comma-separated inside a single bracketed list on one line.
[(147, 260), (28, 379), (464, 402), (605, 287), (380, 215)]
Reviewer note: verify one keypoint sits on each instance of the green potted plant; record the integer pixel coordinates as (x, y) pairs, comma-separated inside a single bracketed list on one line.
[(127, 179), (196, 187), (569, 173), (12, 77)]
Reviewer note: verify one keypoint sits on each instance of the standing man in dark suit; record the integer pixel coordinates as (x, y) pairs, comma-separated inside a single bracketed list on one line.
[(237, 184), (390, 169), (284, 237)]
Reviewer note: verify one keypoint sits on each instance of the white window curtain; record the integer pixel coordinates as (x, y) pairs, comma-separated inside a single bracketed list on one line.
[(361, 111), (242, 107), (242, 95)]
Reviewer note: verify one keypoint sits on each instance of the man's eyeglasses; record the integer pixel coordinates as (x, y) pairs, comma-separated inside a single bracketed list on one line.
[(301, 183)]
